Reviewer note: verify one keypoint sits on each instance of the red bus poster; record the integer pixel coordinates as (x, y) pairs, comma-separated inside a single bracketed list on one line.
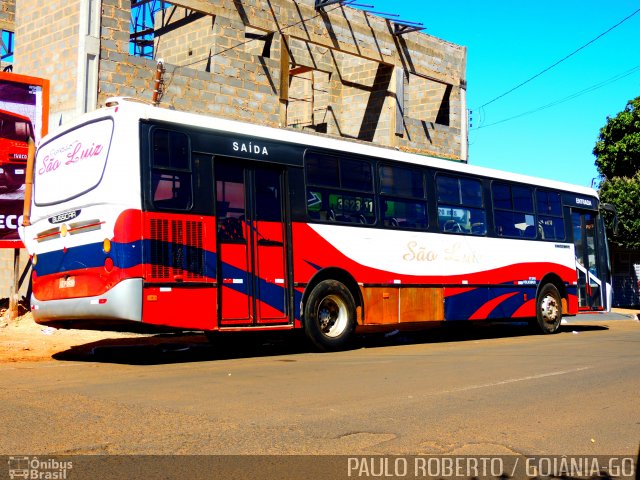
[(24, 112)]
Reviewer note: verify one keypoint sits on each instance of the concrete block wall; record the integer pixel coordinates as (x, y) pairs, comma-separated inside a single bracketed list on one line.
[(216, 66), (7, 21), (6, 271), (366, 107), (312, 93), (213, 68), (46, 44), (431, 116), (7, 14), (203, 73)]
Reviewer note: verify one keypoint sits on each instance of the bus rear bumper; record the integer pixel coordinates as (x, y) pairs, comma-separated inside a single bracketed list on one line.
[(121, 304)]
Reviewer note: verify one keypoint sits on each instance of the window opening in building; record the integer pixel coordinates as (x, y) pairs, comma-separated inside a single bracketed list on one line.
[(142, 27), (6, 47)]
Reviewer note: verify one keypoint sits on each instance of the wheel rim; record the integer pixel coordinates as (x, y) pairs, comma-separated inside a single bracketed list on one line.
[(549, 309), (333, 316)]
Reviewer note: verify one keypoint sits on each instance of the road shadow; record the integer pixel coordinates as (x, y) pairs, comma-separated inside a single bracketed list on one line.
[(466, 331), (188, 347)]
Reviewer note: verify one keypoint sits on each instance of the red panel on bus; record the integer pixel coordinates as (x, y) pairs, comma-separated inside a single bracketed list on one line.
[(180, 307), (87, 282)]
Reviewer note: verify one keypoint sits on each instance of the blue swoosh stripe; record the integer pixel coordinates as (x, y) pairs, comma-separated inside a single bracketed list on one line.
[(127, 255)]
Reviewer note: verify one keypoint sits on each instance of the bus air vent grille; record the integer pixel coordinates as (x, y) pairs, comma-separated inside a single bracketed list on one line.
[(195, 252), (160, 248), (176, 249)]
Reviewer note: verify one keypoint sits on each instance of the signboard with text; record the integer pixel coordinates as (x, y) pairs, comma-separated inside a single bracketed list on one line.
[(24, 112)]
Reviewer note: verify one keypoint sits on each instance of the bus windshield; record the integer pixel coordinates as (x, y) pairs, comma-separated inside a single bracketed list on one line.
[(15, 127), (73, 163)]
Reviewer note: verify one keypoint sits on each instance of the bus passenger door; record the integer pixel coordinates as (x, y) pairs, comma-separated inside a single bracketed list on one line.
[(253, 281), (589, 267)]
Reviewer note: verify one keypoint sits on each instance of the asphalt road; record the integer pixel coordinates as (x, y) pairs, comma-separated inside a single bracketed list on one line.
[(489, 390)]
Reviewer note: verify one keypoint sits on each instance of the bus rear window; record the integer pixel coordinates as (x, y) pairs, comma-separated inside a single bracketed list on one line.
[(171, 170), (72, 163)]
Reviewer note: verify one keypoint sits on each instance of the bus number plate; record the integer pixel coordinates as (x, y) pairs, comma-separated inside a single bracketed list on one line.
[(67, 282)]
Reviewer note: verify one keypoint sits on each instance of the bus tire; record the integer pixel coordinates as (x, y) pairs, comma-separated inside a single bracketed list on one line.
[(549, 309), (330, 316)]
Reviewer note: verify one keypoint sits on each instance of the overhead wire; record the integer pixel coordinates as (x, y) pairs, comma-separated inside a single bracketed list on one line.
[(590, 89), (521, 84)]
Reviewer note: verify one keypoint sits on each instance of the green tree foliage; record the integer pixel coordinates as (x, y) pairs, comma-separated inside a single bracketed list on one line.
[(617, 154), (624, 194), (617, 150)]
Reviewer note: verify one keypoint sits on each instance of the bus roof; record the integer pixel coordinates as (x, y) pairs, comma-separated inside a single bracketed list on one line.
[(146, 111)]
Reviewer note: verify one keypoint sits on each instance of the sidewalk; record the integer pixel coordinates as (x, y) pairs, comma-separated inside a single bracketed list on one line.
[(631, 312), (614, 314)]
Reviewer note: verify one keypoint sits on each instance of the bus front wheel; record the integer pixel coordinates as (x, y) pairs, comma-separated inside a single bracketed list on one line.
[(549, 309), (330, 315)]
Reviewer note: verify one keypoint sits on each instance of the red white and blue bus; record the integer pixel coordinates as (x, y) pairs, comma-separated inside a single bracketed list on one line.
[(142, 216)]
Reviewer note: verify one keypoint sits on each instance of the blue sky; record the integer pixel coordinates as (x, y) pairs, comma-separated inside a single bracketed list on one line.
[(510, 42)]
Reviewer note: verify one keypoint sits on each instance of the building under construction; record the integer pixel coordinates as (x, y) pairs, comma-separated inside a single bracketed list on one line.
[(317, 65), (331, 67)]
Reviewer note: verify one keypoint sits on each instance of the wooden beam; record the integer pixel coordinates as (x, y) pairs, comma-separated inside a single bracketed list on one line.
[(299, 70), (339, 28), (284, 79), (13, 291)]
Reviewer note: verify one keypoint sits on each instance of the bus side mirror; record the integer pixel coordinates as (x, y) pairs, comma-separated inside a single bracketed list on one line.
[(607, 207)]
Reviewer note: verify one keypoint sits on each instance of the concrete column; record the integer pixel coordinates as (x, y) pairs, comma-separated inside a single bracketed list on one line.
[(88, 55)]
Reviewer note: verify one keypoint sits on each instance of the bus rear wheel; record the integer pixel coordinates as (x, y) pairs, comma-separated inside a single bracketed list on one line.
[(549, 309), (330, 316)]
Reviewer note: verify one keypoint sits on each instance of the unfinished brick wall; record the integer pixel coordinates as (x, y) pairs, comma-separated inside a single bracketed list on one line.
[(314, 88), (366, 106), (6, 272), (329, 89), (202, 73), (431, 113), (7, 21), (7, 14), (338, 66), (46, 43)]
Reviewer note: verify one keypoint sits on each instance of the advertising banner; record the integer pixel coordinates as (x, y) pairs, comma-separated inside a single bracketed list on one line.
[(24, 111)]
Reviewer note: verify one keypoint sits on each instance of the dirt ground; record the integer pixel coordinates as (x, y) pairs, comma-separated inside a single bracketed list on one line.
[(23, 340)]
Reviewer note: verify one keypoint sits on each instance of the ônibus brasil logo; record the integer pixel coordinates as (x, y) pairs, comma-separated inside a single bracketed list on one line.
[(35, 468)]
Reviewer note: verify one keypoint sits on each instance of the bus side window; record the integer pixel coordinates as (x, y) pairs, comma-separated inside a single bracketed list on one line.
[(230, 203), (460, 205), (550, 221), (268, 201), (400, 213), (402, 197), (171, 187), (339, 189), (513, 211)]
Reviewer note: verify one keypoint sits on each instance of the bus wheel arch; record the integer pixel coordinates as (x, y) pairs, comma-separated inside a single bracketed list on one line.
[(329, 309), (551, 302)]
